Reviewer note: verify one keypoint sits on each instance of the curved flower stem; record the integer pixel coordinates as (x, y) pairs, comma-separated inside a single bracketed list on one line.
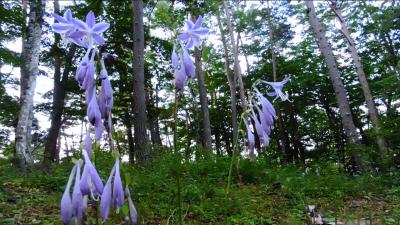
[(235, 147), (178, 161)]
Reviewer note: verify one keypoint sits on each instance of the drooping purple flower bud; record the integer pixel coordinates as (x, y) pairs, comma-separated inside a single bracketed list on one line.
[(180, 78), (175, 59), (105, 202), (66, 202), (81, 71), (189, 64), (77, 198), (132, 208), (118, 190), (250, 136), (106, 93), (90, 182), (88, 143), (94, 117), (193, 33)]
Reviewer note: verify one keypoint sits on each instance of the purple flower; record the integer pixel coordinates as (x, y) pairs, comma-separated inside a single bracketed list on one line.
[(118, 190), (66, 202), (278, 86), (193, 33), (105, 202), (105, 100), (90, 32), (175, 59), (132, 209), (250, 136), (94, 117), (90, 181), (188, 63), (77, 198), (88, 143)]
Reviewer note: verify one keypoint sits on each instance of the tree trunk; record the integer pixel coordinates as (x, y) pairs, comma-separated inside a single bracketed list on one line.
[(372, 111), (340, 91), (29, 72), (203, 101), (237, 69), (138, 86), (281, 132), (51, 152), (231, 82)]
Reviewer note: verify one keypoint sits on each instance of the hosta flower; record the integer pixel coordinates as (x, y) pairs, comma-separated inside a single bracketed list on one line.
[(88, 143), (193, 33), (105, 100), (66, 27), (118, 190), (132, 208), (90, 182), (115, 191), (77, 198), (66, 202), (90, 32), (94, 117), (188, 63), (250, 136), (278, 86)]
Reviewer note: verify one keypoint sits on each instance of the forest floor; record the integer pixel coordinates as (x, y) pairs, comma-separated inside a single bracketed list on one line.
[(262, 194)]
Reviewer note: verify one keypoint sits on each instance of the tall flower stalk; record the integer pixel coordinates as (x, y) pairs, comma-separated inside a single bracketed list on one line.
[(89, 185), (191, 36)]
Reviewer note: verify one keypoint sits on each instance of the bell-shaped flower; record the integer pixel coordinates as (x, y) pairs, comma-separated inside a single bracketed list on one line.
[(91, 32), (189, 64), (278, 86), (250, 136), (105, 100), (193, 34), (81, 71), (175, 59), (66, 27), (179, 72), (90, 182), (118, 190), (105, 202), (132, 208), (77, 198), (66, 202), (88, 143), (94, 117)]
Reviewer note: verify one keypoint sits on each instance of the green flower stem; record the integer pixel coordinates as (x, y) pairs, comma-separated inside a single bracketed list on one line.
[(178, 161), (235, 147)]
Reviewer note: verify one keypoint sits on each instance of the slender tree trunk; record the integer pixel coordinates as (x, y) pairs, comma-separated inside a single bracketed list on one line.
[(231, 82), (203, 101), (29, 72), (138, 86), (51, 152), (281, 131), (340, 91), (131, 142), (372, 111), (237, 69)]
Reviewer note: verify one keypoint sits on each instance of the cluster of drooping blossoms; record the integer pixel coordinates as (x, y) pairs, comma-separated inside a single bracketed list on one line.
[(261, 119), (89, 185), (190, 37)]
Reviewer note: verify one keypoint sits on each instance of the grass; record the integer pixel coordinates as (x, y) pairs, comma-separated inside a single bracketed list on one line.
[(261, 194)]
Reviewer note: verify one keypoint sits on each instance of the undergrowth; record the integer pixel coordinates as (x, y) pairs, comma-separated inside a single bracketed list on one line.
[(262, 193)]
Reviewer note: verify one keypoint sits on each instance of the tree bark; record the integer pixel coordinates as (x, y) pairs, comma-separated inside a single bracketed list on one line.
[(203, 101), (231, 82), (138, 86), (281, 131), (340, 91), (372, 111), (29, 72), (51, 152), (237, 69)]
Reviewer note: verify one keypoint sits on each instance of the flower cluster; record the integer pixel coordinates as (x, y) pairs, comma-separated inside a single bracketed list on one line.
[(263, 117), (89, 35), (191, 36)]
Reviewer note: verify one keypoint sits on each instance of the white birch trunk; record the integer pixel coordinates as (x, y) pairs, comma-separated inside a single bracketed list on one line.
[(29, 72)]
